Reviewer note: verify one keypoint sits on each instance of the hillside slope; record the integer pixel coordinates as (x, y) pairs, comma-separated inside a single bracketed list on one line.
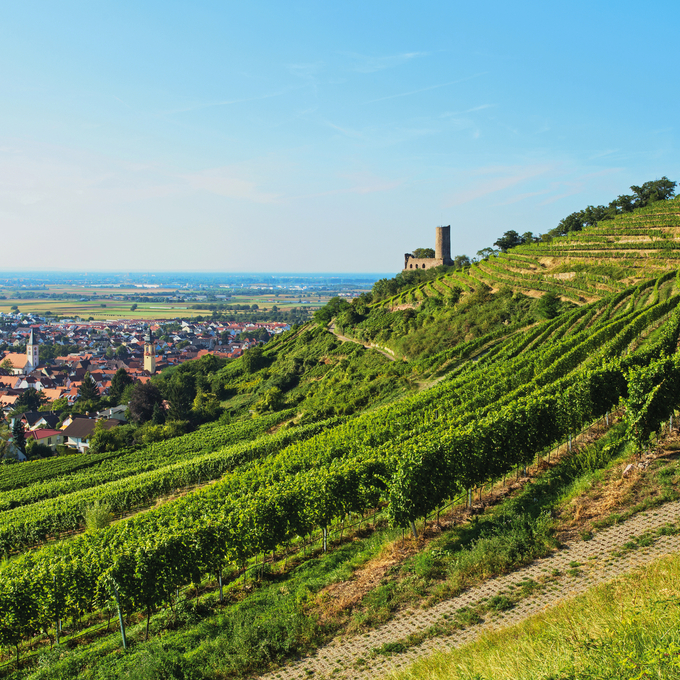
[(582, 266), (507, 398)]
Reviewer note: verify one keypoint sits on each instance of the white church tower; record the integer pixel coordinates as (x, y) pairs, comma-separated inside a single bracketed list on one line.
[(149, 356), (32, 358)]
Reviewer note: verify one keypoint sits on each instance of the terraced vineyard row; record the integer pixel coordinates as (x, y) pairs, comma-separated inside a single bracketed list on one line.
[(45, 510), (72, 470)]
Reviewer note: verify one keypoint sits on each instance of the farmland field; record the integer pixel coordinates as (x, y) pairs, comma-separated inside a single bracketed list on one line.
[(106, 304)]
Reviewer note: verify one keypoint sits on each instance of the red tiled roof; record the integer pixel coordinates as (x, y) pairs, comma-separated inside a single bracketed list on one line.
[(42, 434)]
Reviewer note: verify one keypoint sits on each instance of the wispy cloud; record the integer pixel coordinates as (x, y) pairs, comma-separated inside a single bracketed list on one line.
[(602, 154), (228, 182), (371, 64), (345, 131), (227, 102), (577, 185), (474, 109), (510, 176), (118, 99), (307, 72), (521, 197), (359, 183), (425, 89)]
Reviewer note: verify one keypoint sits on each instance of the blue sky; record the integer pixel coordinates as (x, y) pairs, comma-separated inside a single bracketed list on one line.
[(316, 136)]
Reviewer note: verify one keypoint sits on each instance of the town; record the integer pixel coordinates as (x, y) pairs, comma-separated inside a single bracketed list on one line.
[(44, 364)]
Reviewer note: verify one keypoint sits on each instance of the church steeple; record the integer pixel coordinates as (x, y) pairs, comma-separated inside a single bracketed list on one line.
[(32, 353), (149, 354)]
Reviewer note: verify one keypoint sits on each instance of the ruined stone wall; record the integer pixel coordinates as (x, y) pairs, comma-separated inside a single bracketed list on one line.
[(442, 252), (421, 262)]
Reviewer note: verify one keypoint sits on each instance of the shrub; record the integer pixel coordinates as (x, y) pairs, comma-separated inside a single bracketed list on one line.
[(97, 516)]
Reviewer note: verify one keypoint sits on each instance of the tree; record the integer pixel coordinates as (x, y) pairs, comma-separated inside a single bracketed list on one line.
[(657, 190), (510, 239), (119, 382), (35, 450), (206, 407), (181, 393), (88, 390), (18, 436), (272, 400), (142, 401), (332, 308), (30, 400), (253, 359), (548, 305), (423, 252), (132, 309), (57, 405), (122, 353), (486, 253), (462, 261), (158, 415)]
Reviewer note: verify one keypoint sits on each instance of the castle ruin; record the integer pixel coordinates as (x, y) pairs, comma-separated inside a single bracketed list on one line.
[(442, 253)]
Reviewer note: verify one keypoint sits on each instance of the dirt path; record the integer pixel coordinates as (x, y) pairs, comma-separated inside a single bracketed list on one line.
[(576, 567), (383, 350)]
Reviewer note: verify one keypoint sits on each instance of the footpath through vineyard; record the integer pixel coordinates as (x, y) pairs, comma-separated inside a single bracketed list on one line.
[(571, 570)]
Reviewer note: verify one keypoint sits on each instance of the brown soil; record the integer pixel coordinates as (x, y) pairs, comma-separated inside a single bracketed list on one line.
[(616, 493)]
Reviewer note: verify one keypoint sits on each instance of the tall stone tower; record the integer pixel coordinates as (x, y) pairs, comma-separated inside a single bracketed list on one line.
[(442, 245), (32, 353), (149, 355)]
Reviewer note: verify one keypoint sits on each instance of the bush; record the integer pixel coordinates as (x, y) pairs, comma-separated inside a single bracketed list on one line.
[(97, 516), (36, 450)]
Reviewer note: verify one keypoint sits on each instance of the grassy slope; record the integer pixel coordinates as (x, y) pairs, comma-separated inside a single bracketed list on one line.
[(251, 632), (626, 629)]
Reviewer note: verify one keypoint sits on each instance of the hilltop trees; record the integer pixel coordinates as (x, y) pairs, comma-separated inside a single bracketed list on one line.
[(509, 240), (423, 253), (650, 192), (332, 308)]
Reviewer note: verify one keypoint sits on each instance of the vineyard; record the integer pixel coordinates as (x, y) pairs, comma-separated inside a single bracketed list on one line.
[(581, 267), (318, 433), (504, 400)]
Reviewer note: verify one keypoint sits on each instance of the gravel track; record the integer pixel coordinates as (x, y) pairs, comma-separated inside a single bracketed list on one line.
[(601, 559)]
